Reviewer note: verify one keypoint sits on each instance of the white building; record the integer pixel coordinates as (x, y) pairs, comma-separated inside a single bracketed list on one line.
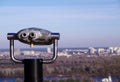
[(49, 50), (111, 50), (91, 50), (114, 50), (100, 50), (28, 52), (63, 54)]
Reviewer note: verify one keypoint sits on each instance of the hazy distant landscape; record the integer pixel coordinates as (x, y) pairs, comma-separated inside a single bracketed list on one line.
[(72, 63)]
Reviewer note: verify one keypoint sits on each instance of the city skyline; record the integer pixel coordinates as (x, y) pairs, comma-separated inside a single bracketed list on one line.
[(80, 23)]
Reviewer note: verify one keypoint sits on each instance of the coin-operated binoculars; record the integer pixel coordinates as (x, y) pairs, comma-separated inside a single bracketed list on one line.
[(34, 36)]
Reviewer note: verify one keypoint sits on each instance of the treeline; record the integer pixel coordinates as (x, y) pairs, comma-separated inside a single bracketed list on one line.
[(10, 69), (90, 66), (72, 66)]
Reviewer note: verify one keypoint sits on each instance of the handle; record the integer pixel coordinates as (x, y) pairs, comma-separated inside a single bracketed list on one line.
[(55, 52), (12, 52)]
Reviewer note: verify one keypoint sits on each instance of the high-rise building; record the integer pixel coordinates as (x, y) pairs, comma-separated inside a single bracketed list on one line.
[(111, 50), (49, 50), (91, 50), (100, 50)]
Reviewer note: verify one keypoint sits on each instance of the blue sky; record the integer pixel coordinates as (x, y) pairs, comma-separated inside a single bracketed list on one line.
[(81, 23)]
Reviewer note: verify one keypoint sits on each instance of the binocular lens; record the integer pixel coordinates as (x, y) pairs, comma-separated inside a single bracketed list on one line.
[(24, 35), (32, 35)]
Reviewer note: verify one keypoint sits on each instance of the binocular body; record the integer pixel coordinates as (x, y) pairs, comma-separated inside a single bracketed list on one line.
[(34, 36)]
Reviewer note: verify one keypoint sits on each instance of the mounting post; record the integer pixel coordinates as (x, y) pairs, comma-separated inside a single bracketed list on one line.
[(33, 70)]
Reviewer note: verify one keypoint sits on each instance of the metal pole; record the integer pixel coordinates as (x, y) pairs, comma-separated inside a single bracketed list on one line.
[(33, 70)]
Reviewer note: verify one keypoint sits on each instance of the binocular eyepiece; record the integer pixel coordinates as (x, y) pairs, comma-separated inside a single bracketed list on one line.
[(34, 36)]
